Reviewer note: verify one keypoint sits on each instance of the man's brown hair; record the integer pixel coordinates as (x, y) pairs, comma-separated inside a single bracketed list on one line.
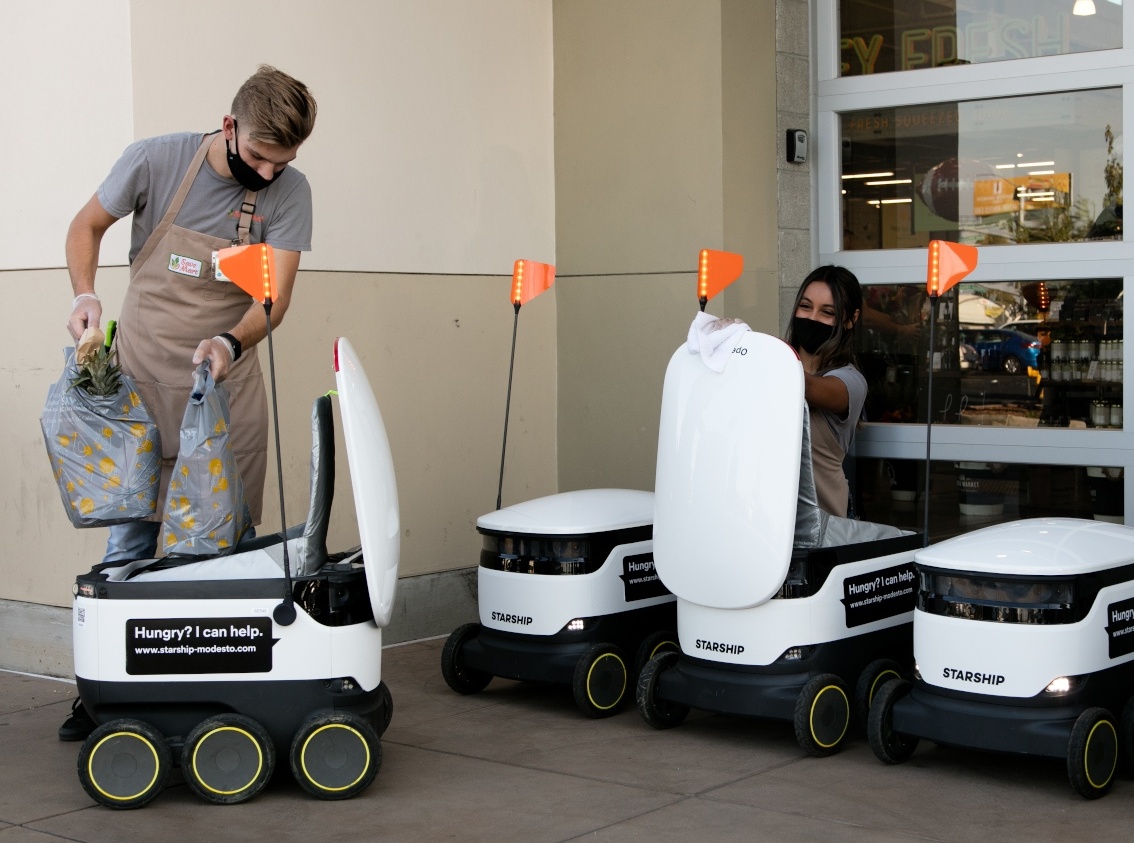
[(275, 108)]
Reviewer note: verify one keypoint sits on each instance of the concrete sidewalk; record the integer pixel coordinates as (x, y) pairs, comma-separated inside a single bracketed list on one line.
[(518, 762)]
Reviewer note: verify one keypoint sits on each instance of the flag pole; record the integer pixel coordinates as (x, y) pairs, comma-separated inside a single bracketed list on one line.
[(929, 414), (508, 405), (948, 263), (529, 279)]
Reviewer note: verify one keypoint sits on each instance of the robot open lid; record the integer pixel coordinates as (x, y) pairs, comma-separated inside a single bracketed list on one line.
[(783, 611), (191, 661)]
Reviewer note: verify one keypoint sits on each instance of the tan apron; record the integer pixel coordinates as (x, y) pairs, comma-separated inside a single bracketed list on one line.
[(164, 318), (831, 485)]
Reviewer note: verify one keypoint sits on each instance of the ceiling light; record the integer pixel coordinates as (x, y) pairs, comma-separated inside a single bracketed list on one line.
[(890, 181), (1083, 8), (867, 175)]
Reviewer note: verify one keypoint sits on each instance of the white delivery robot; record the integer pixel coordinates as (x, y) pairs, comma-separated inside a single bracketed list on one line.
[(566, 587), (224, 665), (1024, 643), (782, 611), (567, 594)]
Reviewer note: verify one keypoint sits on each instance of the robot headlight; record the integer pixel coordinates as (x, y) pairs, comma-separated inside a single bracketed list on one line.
[(1063, 685), (579, 624), (796, 654)]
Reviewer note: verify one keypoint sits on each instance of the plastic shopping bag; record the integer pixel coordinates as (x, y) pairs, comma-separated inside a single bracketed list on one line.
[(105, 450), (205, 510)]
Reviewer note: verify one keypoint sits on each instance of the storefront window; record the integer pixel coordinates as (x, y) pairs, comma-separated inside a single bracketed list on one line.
[(881, 37), (1006, 354), (1033, 169), (968, 495)]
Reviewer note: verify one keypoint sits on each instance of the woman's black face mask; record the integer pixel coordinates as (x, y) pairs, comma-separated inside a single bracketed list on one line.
[(810, 334), (241, 171)]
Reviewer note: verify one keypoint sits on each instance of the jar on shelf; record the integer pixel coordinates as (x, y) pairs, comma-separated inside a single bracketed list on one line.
[(1100, 413)]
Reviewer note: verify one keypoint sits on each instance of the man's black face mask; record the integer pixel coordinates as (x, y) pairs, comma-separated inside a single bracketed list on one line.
[(241, 171)]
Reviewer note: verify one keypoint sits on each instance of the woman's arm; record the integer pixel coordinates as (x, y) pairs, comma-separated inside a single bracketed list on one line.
[(824, 393)]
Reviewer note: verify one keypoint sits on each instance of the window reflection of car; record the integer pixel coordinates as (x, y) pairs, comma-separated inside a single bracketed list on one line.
[(1027, 326), (970, 359), (1003, 350)]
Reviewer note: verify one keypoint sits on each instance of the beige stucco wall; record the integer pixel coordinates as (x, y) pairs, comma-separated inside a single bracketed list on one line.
[(665, 144), (431, 167), (433, 150)]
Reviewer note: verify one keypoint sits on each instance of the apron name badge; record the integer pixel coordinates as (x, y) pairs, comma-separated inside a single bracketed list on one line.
[(184, 266)]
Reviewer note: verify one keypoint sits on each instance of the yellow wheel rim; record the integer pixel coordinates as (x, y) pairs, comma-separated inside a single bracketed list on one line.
[(590, 673), (811, 716), (311, 737), (259, 759), (1087, 751), (880, 680), (142, 740)]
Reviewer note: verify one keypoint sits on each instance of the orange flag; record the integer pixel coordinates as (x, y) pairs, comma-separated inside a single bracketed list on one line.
[(251, 268), (715, 271), (948, 264), (529, 279)]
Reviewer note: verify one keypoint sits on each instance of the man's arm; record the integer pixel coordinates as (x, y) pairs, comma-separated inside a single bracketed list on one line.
[(83, 240), (252, 328)]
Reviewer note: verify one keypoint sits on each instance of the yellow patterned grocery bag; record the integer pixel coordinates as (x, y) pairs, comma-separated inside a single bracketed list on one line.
[(103, 443), (205, 510)]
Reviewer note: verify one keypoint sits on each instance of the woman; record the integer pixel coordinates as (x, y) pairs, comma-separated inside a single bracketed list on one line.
[(826, 310)]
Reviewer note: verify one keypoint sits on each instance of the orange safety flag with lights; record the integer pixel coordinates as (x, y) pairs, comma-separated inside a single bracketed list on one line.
[(715, 271), (251, 268), (529, 279), (948, 264)]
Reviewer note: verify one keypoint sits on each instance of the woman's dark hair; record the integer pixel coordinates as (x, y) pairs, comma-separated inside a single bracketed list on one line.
[(847, 297)]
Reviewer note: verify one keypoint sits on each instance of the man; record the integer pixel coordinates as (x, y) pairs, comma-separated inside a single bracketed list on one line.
[(191, 194)]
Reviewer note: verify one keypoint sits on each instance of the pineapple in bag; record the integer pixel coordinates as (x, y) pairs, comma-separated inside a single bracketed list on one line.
[(102, 441), (98, 371)]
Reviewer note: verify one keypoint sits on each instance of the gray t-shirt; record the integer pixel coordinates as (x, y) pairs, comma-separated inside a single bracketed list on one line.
[(856, 392), (143, 181)]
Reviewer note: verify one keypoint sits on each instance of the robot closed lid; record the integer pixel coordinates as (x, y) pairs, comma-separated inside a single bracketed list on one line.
[(1035, 547), (580, 512), (728, 474), (372, 478)]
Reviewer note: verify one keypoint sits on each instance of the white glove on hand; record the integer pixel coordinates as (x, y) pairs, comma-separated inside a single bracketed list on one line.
[(219, 354), (86, 312)]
